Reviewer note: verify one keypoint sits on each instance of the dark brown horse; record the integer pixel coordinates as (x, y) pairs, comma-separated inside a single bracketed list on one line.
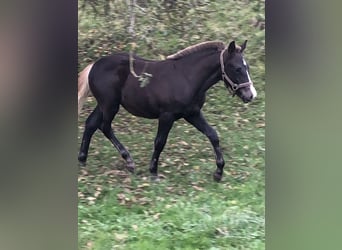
[(176, 89)]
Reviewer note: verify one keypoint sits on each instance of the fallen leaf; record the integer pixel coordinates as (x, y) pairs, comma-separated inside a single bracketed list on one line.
[(198, 188), (89, 245), (260, 125), (144, 185), (120, 237), (184, 143), (121, 196), (127, 180)]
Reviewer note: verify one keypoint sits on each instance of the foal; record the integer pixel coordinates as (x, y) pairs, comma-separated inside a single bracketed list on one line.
[(176, 90)]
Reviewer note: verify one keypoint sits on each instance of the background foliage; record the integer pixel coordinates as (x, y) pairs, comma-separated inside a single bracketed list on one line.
[(186, 210), (163, 27)]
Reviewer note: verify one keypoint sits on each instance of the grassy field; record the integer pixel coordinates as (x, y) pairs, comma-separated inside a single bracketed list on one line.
[(186, 209)]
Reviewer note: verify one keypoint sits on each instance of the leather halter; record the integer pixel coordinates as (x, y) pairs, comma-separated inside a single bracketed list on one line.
[(233, 87)]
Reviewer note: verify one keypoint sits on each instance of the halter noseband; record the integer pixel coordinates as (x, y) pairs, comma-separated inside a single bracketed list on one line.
[(233, 86)]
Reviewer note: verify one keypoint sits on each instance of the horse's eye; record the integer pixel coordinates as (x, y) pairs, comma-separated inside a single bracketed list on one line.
[(238, 70)]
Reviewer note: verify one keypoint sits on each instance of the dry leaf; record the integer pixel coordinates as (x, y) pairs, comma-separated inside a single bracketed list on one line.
[(184, 143), (89, 245), (198, 188), (120, 237), (144, 185), (156, 216)]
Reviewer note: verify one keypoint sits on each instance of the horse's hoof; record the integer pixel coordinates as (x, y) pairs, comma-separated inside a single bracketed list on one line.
[(82, 163), (155, 178), (82, 159), (131, 167), (217, 177)]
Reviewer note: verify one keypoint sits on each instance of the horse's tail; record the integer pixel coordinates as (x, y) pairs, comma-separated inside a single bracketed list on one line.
[(83, 86)]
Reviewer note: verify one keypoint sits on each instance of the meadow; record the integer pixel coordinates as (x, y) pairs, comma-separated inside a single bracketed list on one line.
[(186, 209)]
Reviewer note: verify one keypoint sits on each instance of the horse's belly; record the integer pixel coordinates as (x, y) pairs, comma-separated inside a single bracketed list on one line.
[(140, 112), (139, 106), (152, 100)]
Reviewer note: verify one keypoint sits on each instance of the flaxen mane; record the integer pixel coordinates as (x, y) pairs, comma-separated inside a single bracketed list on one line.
[(197, 47)]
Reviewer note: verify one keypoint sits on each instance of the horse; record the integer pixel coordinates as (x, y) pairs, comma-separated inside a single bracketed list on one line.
[(176, 89)]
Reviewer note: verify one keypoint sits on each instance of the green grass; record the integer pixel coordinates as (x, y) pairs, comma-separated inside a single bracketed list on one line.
[(186, 209)]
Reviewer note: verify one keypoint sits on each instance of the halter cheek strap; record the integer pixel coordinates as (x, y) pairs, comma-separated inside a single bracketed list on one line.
[(233, 87)]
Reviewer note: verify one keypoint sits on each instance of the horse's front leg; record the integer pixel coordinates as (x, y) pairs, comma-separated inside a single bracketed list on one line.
[(164, 126), (199, 122)]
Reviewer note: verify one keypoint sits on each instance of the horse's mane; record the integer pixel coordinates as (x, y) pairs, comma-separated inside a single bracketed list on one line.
[(197, 47)]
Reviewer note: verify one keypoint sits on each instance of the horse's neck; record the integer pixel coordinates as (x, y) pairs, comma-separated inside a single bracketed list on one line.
[(206, 68)]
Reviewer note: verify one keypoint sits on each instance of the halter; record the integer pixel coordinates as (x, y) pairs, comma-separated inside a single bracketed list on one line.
[(233, 86)]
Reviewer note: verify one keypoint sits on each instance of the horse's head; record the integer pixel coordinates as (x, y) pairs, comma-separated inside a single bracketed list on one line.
[(235, 72)]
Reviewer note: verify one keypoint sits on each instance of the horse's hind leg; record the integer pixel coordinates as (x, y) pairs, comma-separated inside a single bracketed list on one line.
[(109, 112), (93, 122)]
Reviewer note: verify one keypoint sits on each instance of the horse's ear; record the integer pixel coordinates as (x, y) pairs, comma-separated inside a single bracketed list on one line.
[(243, 46), (231, 47)]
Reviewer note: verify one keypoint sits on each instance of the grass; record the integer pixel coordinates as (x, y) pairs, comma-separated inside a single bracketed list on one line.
[(186, 209)]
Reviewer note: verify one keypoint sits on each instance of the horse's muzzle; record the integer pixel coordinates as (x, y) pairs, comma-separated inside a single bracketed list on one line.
[(245, 94)]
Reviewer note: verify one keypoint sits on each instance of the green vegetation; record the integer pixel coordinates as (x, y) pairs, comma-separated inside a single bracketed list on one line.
[(186, 209)]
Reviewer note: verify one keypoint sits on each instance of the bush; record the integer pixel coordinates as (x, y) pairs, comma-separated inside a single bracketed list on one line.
[(163, 27)]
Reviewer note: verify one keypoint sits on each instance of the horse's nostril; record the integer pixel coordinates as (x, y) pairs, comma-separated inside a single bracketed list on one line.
[(247, 98)]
